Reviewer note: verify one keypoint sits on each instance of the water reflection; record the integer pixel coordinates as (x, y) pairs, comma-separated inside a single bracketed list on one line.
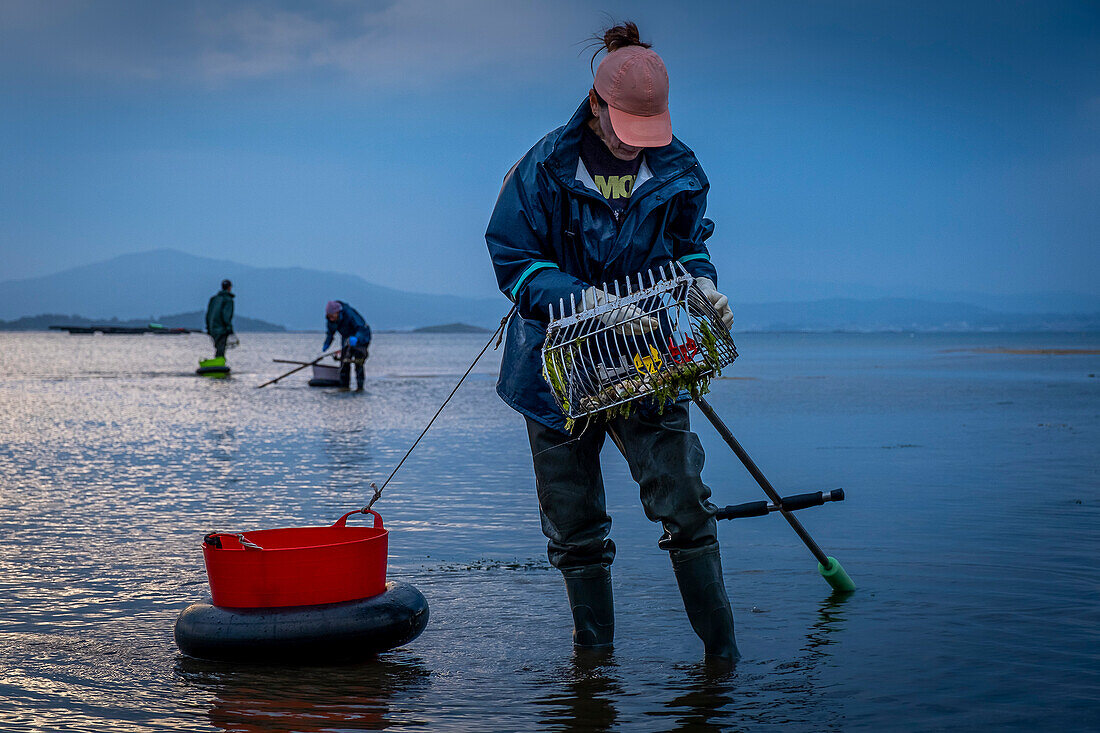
[(587, 694), (704, 700), (347, 446), (797, 691), (714, 695), (222, 439), (829, 623), (582, 695), (247, 699)]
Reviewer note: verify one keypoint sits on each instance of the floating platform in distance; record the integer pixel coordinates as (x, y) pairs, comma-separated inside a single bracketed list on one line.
[(330, 632), (125, 330)]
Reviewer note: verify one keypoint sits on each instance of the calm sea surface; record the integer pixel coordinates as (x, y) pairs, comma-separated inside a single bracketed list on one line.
[(972, 529)]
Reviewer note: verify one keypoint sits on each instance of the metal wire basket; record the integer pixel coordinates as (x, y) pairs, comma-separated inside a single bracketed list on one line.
[(658, 338)]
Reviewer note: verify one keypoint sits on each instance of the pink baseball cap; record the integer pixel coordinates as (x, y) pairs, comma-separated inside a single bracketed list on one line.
[(634, 83)]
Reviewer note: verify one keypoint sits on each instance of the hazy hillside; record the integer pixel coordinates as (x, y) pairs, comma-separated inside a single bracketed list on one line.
[(452, 328), (197, 320), (194, 321), (167, 281)]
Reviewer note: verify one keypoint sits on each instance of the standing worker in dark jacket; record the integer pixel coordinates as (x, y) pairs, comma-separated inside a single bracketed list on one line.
[(355, 340), (609, 195), (219, 317)]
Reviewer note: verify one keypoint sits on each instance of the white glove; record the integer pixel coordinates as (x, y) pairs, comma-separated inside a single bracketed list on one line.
[(627, 320), (720, 302)]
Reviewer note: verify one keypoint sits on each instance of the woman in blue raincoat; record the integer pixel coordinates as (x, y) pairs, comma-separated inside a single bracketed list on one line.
[(610, 194)]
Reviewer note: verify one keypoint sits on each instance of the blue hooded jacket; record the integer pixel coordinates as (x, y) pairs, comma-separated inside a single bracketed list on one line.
[(348, 324), (551, 236)]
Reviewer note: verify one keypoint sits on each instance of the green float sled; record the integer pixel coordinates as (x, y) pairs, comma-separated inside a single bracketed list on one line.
[(215, 368)]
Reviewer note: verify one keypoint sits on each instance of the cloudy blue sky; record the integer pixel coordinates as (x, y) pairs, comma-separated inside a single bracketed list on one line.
[(882, 147)]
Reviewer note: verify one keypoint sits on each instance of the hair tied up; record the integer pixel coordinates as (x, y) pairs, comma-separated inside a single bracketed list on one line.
[(619, 36)]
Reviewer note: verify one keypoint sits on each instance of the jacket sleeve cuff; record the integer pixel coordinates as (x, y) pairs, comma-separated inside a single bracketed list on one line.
[(527, 274), (544, 288), (699, 265)]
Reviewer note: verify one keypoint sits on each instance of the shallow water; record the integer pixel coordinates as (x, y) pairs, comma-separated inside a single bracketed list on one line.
[(973, 486)]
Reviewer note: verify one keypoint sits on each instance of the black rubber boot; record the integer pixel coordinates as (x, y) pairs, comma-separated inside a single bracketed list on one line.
[(699, 575), (590, 598)]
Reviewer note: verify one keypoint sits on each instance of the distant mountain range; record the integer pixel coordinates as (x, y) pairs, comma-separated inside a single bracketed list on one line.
[(452, 328), (169, 281), (195, 321), (134, 286)]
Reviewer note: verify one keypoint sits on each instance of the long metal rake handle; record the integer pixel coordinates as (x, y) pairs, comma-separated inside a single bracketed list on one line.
[(828, 566)]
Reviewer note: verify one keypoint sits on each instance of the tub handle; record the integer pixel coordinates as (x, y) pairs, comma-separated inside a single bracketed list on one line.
[(342, 521), (247, 544), (214, 540)]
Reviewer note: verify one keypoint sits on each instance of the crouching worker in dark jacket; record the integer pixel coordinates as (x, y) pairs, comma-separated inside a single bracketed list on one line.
[(219, 317), (355, 340), (610, 194)]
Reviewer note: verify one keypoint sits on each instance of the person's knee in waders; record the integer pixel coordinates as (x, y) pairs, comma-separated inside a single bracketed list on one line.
[(556, 231), (355, 356)]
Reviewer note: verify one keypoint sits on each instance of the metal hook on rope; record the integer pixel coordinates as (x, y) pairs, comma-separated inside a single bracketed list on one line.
[(377, 493), (500, 330)]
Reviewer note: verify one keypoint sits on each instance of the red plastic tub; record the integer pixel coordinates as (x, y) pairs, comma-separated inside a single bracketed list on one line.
[(302, 566)]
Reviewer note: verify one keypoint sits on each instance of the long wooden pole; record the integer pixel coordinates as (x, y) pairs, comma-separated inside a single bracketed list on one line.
[(296, 369)]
